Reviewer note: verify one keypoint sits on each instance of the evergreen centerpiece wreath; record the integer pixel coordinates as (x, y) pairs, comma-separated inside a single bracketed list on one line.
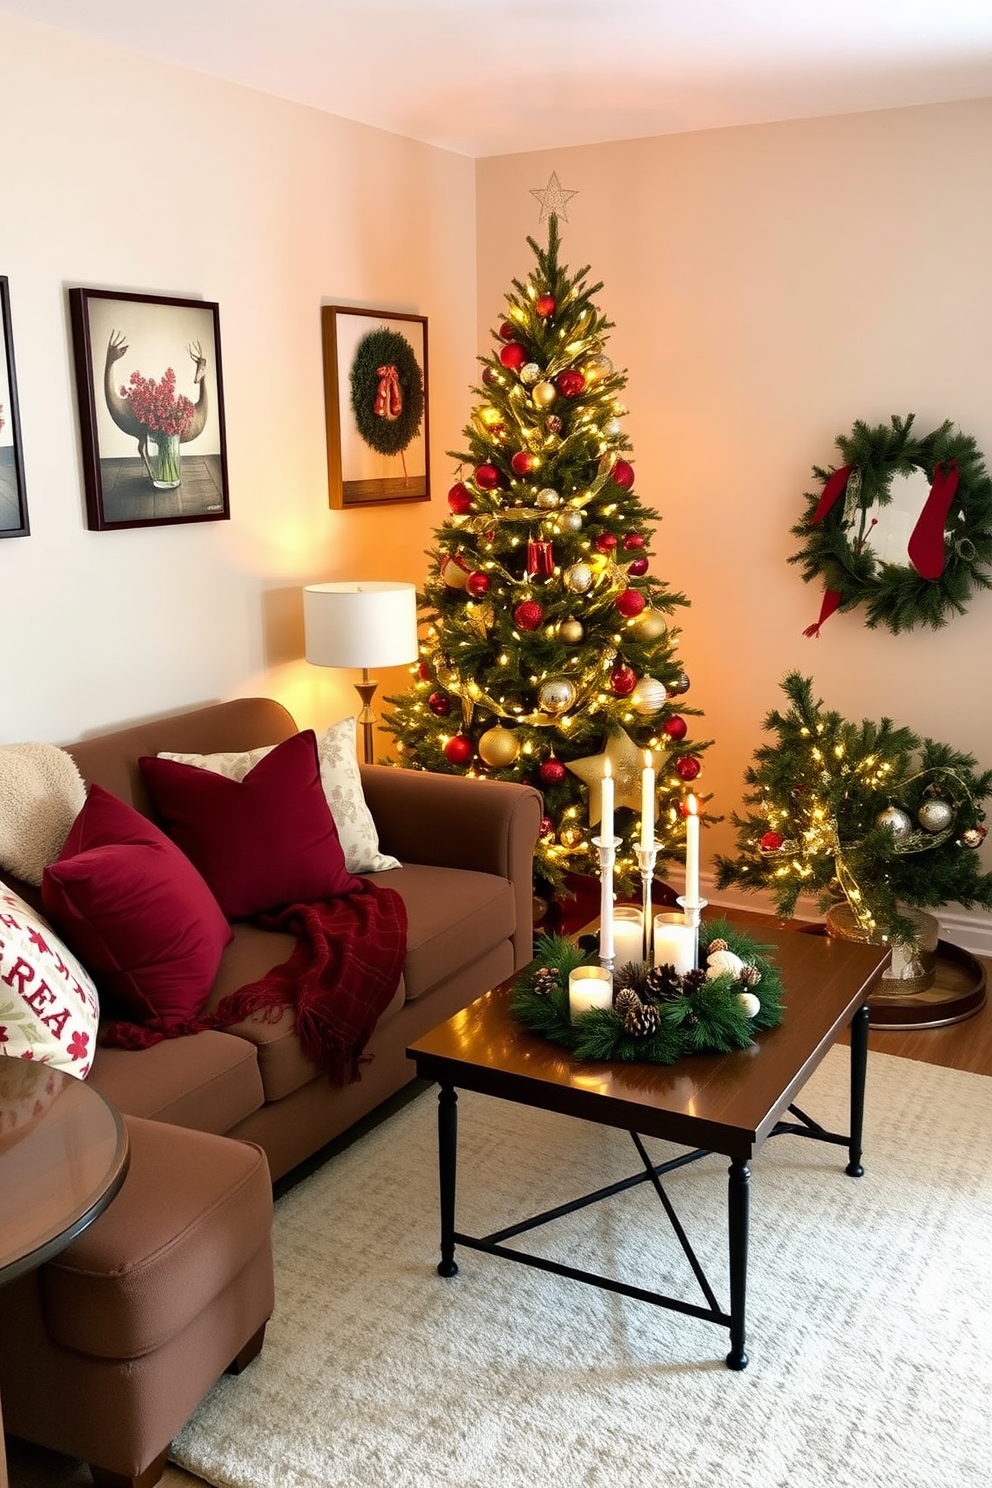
[(948, 549), (387, 391), (657, 1015)]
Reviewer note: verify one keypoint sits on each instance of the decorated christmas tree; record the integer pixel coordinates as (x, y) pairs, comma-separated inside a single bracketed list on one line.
[(549, 655), (866, 812)]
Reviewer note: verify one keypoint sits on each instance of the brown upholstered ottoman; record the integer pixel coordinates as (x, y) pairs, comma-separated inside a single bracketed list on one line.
[(108, 1349)]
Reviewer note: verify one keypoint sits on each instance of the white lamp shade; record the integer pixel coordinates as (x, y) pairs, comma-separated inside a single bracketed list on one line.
[(360, 623)]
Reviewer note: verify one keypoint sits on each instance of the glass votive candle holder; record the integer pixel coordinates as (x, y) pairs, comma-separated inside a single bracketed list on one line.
[(675, 941), (589, 987), (628, 934)]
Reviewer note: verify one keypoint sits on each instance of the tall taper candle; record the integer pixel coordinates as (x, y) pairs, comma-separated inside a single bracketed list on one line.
[(606, 809), (692, 852), (647, 803)]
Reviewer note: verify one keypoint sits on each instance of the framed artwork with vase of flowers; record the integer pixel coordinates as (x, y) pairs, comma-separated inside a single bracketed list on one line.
[(151, 409)]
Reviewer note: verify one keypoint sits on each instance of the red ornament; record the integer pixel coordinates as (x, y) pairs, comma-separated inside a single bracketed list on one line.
[(513, 355), (546, 305), (605, 542), (633, 540), (771, 842), (540, 558), (623, 680), (477, 584), (547, 827), (570, 383), (460, 499), (490, 376), (528, 614), (424, 672), (676, 726), (458, 751), (630, 602), (439, 704), (552, 771), (507, 331), (623, 474), (687, 767), (637, 568), (523, 462), (487, 477)]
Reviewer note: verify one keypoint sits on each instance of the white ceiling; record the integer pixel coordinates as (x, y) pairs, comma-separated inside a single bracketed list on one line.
[(487, 77)]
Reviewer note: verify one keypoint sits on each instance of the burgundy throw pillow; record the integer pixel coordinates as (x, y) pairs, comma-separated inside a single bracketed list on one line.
[(136, 912), (263, 842)]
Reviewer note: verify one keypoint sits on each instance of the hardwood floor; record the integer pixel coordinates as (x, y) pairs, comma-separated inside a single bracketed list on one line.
[(966, 1046)]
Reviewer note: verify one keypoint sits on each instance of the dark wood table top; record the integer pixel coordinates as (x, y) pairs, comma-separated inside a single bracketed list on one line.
[(723, 1102), (63, 1157)]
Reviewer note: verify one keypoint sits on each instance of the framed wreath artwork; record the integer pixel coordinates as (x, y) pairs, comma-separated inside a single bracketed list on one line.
[(902, 526), (13, 501), (151, 409), (375, 395)]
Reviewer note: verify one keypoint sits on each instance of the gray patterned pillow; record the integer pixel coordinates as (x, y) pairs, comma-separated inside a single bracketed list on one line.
[(342, 783)]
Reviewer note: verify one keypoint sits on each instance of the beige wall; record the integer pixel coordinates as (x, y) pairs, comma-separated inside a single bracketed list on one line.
[(122, 173), (769, 285)]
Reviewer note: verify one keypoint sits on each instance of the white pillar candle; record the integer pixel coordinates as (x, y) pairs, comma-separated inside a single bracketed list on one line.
[(647, 803), (674, 942), (628, 934), (589, 987), (692, 853)]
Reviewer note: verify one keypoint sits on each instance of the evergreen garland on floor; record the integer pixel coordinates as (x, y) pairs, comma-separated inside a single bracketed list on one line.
[(657, 1016)]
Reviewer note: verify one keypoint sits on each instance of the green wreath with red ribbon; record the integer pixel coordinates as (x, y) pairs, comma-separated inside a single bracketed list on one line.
[(949, 549), (387, 391)]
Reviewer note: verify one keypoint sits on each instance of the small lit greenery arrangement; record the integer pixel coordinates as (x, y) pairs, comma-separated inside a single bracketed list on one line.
[(657, 1015)]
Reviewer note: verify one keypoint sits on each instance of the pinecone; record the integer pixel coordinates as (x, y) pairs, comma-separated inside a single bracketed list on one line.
[(626, 1001), (641, 1020), (662, 983), (750, 976), (717, 945), (693, 980), (633, 975), (547, 979)]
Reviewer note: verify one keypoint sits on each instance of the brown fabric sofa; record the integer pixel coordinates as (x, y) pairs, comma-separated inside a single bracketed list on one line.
[(466, 850)]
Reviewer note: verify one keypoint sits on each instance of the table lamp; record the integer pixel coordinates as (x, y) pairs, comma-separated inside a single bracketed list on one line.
[(361, 623)]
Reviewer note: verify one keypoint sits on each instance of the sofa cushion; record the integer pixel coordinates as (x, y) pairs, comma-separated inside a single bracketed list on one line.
[(209, 1081), (193, 1211), (261, 843), (49, 1007), (454, 917), (341, 782), (137, 913)]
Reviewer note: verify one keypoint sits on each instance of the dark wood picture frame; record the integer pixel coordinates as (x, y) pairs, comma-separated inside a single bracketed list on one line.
[(360, 472), (13, 498), (131, 475)]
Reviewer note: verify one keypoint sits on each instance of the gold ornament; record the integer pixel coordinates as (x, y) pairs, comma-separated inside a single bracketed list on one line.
[(597, 368), (498, 747), (571, 631), (626, 763), (570, 836), (556, 695), (648, 696), (578, 578), (569, 520), (543, 394), (650, 625)]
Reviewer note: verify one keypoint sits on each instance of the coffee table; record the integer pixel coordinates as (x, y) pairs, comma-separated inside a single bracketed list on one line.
[(724, 1103)]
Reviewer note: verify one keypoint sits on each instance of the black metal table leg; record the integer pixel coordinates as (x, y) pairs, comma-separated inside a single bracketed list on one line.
[(738, 1209), (447, 1149), (859, 1068)]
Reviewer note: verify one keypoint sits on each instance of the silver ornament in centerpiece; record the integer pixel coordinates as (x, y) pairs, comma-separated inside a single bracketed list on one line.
[(935, 815), (897, 822)]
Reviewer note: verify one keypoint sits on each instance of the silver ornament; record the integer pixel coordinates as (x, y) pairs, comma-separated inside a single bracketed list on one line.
[(897, 822), (578, 578), (570, 520), (648, 696), (556, 695), (547, 499), (935, 815), (529, 372)]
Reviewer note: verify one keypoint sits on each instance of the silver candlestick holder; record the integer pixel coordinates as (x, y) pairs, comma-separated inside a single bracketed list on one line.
[(693, 914), (647, 857), (606, 847)]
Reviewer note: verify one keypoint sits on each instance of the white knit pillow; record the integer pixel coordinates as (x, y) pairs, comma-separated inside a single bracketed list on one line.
[(341, 780), (41, 794)]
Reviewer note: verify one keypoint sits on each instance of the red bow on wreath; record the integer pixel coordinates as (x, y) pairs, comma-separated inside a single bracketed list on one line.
[(389, 395)]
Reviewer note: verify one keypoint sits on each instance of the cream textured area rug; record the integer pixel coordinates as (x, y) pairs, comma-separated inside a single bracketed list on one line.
[(869, 1312)]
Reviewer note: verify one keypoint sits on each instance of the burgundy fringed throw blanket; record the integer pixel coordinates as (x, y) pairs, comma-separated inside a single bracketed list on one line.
[(340, 979)]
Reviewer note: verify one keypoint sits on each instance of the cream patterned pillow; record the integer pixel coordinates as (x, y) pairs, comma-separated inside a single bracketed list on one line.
[(341, 780), (49, 1007)]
